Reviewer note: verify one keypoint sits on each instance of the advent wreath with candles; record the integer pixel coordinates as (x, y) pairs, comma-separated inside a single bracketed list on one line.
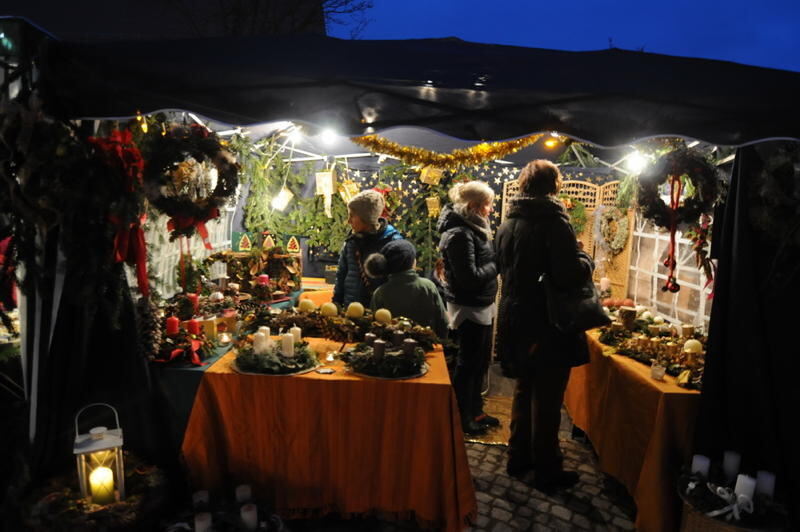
[(402, 358), (288, 356)]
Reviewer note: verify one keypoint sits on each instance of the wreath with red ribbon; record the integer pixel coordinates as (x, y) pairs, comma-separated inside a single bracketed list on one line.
[(168, 153), (684, 170), (120, 153)]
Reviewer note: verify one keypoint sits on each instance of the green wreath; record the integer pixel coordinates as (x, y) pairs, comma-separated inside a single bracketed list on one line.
[(173, 158), (701, 182), (613, 240)]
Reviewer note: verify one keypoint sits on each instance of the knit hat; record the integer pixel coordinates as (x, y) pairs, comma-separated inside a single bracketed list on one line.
[(395, 257), (367, 205)]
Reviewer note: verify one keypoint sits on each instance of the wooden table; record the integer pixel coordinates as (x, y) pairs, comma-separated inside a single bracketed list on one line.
[(316, 444), (641, 429)]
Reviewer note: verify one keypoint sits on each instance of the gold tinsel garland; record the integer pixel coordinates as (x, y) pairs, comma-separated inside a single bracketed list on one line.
[(472, 156)]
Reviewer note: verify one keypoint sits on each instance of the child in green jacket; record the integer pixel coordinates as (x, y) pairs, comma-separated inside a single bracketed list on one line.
[(405, 293)]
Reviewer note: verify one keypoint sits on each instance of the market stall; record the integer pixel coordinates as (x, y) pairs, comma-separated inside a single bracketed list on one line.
[(222, 179)]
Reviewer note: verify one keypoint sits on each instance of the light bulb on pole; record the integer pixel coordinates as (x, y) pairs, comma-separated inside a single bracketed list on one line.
[(635, 162)]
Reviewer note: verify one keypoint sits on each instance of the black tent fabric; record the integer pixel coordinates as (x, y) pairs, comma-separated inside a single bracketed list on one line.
[(750, 396), (467, 90)]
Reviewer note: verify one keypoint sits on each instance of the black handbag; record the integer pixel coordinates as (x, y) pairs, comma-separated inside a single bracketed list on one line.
[(574, 310)]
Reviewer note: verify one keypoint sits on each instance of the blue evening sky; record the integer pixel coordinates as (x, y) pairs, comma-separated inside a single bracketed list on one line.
[(756, 32)]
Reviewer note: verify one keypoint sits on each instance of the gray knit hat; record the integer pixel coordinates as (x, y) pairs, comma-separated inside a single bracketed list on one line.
[(368, 205), (395, 257)]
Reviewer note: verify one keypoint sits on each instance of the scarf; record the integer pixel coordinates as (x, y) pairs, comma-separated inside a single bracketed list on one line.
[(474, 220)]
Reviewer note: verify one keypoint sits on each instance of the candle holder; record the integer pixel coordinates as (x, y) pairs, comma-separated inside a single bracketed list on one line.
[(657, 371)]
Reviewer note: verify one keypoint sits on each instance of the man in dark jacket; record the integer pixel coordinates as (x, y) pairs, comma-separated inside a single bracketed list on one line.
[(470, 286), (537, 238), (370, 234)]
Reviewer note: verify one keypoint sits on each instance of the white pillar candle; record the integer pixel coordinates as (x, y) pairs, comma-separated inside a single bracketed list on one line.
[(200, 498), (369, 338), (701, 464), (730, 465), (243, 493), (101, 483), (259, 343), (297, 332), (287, 344), (249, 513), (379, 348), (202, 522), (265, 331), (605, 283), (765, 483), (745, 485)]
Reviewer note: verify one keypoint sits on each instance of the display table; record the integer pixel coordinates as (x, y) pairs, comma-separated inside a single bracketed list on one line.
[(316, 444), (641, 429), (177, 383)]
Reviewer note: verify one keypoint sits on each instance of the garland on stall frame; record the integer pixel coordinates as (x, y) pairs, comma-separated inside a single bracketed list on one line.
[(472, 156)]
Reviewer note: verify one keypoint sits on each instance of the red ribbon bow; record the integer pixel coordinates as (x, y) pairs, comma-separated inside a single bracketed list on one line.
[(180, 222), (194, 357), (130, 247)]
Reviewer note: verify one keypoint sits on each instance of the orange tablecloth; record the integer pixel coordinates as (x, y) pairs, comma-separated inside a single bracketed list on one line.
[(318, 296), (641, 429), (315, 444)]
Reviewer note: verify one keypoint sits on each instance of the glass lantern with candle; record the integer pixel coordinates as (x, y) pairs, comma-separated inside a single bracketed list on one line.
[(98, 456)]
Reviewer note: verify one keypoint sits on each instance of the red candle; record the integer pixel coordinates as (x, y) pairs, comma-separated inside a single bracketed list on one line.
[(195, 301), (193, 326), (263, 279), (173, 324)]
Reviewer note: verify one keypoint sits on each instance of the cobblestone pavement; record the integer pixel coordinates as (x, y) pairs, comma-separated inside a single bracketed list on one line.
[(596, 503)]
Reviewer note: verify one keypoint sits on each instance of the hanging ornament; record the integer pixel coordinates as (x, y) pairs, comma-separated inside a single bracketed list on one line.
[(293, 246), (326, 186), (434, 205), (347, 190), (326, 182), (282, 199), (431, 175)]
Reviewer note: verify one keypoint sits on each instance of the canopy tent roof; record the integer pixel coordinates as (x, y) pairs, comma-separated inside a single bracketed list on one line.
[(465, 90)]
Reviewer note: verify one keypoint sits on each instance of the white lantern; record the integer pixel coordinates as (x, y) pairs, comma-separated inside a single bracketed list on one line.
[(98, 455)]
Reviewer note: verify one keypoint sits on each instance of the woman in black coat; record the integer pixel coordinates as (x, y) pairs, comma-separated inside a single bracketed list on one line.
[(537, 238), (470, 287)]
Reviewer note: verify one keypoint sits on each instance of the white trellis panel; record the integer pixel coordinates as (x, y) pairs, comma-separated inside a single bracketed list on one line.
[(165, 255), (648, 274)]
